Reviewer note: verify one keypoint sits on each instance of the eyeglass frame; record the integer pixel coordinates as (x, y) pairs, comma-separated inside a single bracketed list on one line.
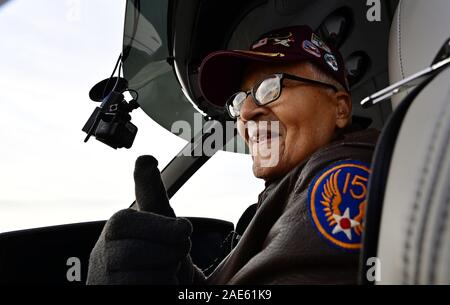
[(281, 77)]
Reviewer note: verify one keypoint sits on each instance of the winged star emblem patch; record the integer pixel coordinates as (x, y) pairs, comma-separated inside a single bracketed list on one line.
[(337, 202)]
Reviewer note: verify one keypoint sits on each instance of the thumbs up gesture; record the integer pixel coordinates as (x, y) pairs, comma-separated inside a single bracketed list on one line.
[(144, 246), (150, 192)]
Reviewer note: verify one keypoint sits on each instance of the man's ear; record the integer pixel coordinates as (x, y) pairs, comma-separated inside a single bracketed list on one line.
[(343, 109)]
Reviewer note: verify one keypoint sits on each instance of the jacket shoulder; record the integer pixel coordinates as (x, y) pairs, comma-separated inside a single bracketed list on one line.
[(357, 146), (332, 189)]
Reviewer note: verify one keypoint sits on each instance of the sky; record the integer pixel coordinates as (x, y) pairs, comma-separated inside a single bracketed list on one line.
[(52, 52)]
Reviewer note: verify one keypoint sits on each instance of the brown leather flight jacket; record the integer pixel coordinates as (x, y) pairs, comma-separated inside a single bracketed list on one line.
[(280, 245)]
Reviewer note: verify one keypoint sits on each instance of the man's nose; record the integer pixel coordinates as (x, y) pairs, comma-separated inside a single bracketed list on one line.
[(250, 111)]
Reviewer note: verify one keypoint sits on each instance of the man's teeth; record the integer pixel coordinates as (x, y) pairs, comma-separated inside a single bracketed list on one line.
[(262, 135), (260, 132)]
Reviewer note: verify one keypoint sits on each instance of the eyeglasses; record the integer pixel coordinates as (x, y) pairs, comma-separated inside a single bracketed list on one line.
[(266, 91)]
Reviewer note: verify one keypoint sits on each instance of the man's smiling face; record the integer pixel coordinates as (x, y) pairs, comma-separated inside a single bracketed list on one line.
[(306, 117)]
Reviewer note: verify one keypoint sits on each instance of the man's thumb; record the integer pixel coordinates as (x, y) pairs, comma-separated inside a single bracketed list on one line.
[(151, 194)]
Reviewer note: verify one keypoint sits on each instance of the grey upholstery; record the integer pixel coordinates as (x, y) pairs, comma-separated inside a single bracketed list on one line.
[(414, 241), (418, 30)]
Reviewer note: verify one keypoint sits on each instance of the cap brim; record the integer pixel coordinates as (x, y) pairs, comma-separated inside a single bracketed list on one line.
[(221, 72)]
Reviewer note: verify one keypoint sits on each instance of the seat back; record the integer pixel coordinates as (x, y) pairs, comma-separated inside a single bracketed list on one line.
[(413, 245)]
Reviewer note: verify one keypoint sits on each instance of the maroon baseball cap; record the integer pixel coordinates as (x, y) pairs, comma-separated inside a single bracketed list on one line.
[(220, 71)]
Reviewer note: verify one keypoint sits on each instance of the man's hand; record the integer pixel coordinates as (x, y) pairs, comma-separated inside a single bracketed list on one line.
[(151, 195), (144, 246)]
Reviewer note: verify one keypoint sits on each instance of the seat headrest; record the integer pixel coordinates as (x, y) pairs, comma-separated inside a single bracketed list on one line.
[(418, 31)]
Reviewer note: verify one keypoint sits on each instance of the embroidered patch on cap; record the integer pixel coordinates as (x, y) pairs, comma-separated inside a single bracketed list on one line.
[(261, 53), (337, 202), (331, 61), (281, 39), (319, 42), (284, 41), (311, 48), (260, 43)]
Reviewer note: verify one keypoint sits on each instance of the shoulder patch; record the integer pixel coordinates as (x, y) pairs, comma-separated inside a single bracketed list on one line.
[(337, 202)]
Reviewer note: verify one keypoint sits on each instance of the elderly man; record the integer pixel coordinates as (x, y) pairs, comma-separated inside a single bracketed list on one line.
[(290, 98)]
